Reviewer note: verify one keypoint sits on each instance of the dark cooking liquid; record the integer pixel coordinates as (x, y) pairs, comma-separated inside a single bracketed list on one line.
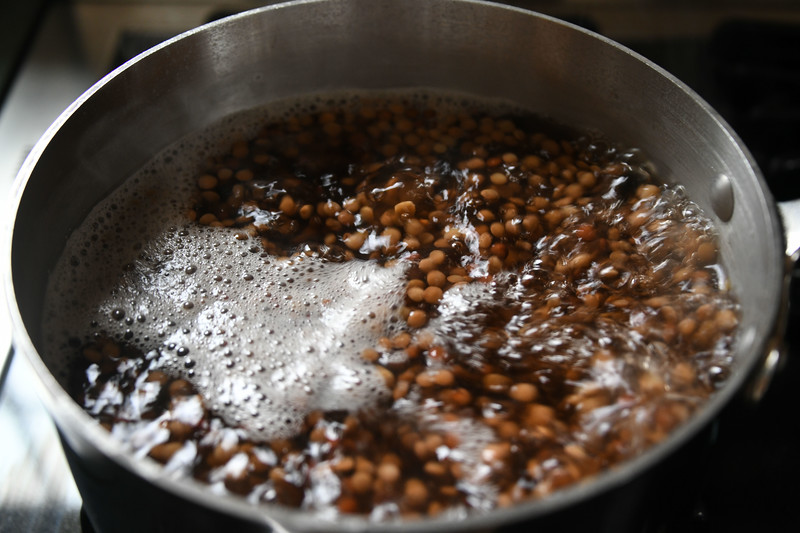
[(515, 311)]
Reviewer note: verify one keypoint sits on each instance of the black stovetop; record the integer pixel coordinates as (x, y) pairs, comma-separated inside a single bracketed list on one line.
[(750, 73)]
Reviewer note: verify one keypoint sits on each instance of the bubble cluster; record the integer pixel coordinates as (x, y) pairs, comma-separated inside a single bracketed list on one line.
[(265, 340)]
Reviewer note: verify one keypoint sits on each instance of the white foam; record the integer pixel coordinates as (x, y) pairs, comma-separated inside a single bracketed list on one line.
[(261, 349), (264, 340)]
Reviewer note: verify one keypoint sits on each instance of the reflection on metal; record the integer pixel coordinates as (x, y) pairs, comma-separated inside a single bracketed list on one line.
[(764, 375), (5, 367), (37, 493), (790, 212), (722, 199)]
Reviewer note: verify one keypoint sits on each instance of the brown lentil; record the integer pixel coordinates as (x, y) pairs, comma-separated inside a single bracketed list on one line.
[(466, 201)]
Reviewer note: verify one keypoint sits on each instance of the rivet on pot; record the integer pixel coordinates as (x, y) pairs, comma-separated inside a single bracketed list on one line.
[(722, 197)]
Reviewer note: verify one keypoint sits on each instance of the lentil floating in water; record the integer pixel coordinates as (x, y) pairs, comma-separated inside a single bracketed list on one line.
[(393, 307)]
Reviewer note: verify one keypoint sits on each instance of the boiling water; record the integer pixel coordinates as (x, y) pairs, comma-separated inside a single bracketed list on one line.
[(606, 324), (265, 340)]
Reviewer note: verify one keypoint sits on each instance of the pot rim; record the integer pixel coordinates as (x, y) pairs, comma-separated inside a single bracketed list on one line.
[(69, 416)]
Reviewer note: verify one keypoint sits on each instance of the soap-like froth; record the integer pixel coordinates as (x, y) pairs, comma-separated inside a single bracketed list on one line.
[(264, 340)]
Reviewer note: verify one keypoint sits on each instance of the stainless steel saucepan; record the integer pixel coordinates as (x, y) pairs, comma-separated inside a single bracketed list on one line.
[(245, 61)]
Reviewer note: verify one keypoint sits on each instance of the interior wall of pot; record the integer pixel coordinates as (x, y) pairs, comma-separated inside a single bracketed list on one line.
[(488, 50)]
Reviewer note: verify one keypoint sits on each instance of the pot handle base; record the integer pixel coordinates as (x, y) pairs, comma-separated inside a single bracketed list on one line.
[(790, 213)]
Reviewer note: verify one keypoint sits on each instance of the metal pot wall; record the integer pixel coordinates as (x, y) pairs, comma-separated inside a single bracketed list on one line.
[(247, 60)]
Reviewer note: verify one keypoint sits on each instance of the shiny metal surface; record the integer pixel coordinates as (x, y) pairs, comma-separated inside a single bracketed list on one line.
[(790, 213), (569, 74), (37, 492)]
